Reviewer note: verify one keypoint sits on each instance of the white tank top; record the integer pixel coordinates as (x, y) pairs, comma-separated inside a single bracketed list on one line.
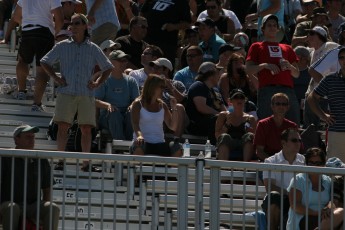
[(151, 125)]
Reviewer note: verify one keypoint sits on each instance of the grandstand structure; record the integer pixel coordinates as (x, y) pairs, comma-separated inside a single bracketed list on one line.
[(139, 192)]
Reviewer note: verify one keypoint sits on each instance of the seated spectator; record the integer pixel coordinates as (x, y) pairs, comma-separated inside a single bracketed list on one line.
[(116, 95), (307, 9), (194, 59), (174, 89), (30, 179), (5, 13), (191, 38), (236, 78), (241, 40), (268, 130), (133, 43), (312, 191), (148, 114), (234, 131), (274, 181), (204, 103), (335, 18), (151, 53), (210, 41)]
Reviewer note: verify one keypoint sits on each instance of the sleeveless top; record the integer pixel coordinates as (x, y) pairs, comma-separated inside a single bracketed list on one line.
[(222, 24), (151, 125), (237, 132)]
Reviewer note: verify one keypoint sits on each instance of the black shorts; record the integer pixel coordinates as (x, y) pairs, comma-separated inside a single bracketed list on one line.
[(159, 149), (35, 42), (275, 199)]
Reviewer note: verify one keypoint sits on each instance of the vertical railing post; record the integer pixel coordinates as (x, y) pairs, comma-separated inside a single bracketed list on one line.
[(214, 198), (199, 195), (182, 194)]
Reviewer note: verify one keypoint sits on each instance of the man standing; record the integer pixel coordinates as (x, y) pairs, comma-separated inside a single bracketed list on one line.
[(133, 44), (275, 183), (24, 138), (78, 57), (332, 87), (275, 64), (103, 20), (268, 130), (38, 31)]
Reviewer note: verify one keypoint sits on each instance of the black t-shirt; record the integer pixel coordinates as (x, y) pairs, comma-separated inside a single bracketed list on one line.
[(133, 48), (199, 89), (241, 8), (19, 175), (160, 12)]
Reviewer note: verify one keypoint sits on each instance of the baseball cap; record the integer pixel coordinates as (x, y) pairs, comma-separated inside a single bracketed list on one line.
[(320, 30), (192, 29), (25, 129), (206, 21), (162, 62), (335, 162), (237, 93), (319, 11), (267, 17), (118, 54), (109, 44), (73, 1), (207, 67), (228, 47)]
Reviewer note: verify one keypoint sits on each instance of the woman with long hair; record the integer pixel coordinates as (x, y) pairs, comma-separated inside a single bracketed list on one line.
[(148, 113)]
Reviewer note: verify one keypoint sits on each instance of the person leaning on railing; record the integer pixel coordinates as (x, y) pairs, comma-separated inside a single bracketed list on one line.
[(307, 195)]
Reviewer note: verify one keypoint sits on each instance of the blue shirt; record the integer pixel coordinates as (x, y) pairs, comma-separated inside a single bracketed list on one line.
[(118, 92), (211, 48), (105, 13), (77, 62), (186, 76), (333, 86)]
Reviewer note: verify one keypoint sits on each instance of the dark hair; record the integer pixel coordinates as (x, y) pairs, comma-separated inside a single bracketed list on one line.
[(151, 83), (315, 151), (196, 48), (156, 51), (234, 57), (286, 133), (218, 2), (135, 20)]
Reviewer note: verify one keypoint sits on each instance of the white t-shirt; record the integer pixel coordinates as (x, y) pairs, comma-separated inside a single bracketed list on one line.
[(230, 14), (278, 158), (139, 75), (38, 12)]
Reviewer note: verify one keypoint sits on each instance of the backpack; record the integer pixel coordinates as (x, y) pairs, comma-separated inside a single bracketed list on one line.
[(74, 139)]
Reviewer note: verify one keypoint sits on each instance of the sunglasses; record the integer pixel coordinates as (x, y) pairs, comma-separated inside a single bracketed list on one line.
[(281, 104), (295, 140), (316, 163), (211, 7), (192, 55), (77, 23), (309, 4), (341, 57), (142, 26)]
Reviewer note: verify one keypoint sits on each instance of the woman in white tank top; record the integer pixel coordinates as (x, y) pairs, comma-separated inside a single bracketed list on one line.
[(148, 114)]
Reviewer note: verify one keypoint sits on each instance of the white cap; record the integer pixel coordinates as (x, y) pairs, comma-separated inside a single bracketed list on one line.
[(73, 1), (162, 62), (108, 44), (320, 30)]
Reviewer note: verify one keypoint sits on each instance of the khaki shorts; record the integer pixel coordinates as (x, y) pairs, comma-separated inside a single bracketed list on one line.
[(335, 145), (68, 105), (107, 31)]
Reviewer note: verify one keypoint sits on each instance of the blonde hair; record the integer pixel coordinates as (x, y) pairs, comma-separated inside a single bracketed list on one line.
[(152, 82)]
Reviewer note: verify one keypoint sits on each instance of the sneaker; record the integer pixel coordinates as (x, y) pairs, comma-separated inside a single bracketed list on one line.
[(38, 108), (21, 96)]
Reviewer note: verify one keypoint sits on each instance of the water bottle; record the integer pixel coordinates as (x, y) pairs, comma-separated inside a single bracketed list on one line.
[(186, 148), (208, 149)]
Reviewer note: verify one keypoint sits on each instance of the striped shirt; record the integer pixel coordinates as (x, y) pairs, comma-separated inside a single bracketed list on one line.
[(105, 13), (77, 62), (333, 86)]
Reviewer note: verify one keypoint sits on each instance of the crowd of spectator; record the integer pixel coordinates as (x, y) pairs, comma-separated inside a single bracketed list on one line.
[(239, 72)]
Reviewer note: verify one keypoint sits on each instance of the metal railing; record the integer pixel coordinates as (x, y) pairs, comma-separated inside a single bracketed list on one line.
[(178, 193)]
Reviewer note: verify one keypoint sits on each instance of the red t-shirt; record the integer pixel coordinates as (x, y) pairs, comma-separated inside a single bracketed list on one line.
[(267, 134), (272, 52)]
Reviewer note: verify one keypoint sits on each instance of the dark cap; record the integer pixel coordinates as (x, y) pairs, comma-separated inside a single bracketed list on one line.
[(319, 11), (192, 29), (228, 47), (268, 17), (341, 28), (207, 67), (237, 93), (118, 54), (25, 129), (206, 21)]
